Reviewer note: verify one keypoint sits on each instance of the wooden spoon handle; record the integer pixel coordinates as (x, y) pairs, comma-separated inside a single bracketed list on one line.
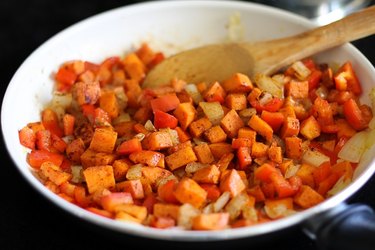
[(287, 50)]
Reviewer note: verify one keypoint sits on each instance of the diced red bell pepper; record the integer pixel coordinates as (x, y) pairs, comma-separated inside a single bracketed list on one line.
[(51, 122), (165, 103), (346, 79), (166, 192), (27, 137), (66, 76), (37, 157), (274, 119), (244, 157), (272, 106), (353, 115), (130, 146), (164, 120)]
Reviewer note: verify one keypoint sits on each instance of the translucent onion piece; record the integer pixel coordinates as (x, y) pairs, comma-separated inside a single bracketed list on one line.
[(302, 72), (342, 183), (314, 158), (269, 85), (213, 110), (221, 201), (354, 148), (77, 176), (186, 214), (194, 93), (134, 172)]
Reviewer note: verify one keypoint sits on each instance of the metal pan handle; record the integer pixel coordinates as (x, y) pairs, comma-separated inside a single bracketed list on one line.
[(348, 227)]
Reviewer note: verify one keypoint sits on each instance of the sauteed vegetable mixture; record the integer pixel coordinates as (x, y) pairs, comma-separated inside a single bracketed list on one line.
[(204, 156)]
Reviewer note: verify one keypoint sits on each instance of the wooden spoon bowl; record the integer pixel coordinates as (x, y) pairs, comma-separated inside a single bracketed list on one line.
[(217, 62)]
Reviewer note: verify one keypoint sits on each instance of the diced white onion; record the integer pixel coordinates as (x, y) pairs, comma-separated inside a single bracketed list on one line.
[(354, 148), (193, 167), (123, 117), (186, 214), (63, 100), (342, 183), (134, 172), (269, 85), (150, 126), (302, 72), (314, 157), (292, 170), (220, 203), (192, 90), (213, 110), (77, 175)]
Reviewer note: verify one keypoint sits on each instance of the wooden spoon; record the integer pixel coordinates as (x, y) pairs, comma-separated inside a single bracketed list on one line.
[(217, 62)]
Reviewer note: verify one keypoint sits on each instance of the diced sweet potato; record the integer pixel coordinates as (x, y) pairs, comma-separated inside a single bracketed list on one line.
[(108, 102), (232, 182), (293, 147), (180, 158), (158, 140), (236, 101), (138, 212), (153, 174), (103, 140), (220, 149), (203, 153), (310, 128), (305, 172), (166, 210), (213, 221), (150, 158), (54, 173), (198, 127), (238, 83), (131, 186), (209, 175), (185, 113), (92, 158), (188, 191), (120, 168), (215, 134), (231, 123), (307, 197), (99, 178), (290, 127), (259, 150), (110, 201)]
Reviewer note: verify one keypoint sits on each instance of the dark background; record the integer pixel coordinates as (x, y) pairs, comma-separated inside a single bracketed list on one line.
[(27, 220)]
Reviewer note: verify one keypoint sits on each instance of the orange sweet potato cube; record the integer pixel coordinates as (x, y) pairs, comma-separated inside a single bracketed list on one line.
[(189, 191), (307, 197), (215, 134), (305, 172), (203, 153), (103, 140), (185, 114), (92, 158), (219, 149), (293, 147), (120, 168), (290, 127), (99, 178), (236, 101), (166, 210), (310, 128), (232, 182), (152, 174), (198, 127), (238, 82), (212, 221), (157, 141), (108, 102), (134, 187), (209, 175), (138, 212), (297, 89), (231, 123), (180, 158)]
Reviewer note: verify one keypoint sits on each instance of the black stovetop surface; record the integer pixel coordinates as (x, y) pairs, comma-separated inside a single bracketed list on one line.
[(29, 221)]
